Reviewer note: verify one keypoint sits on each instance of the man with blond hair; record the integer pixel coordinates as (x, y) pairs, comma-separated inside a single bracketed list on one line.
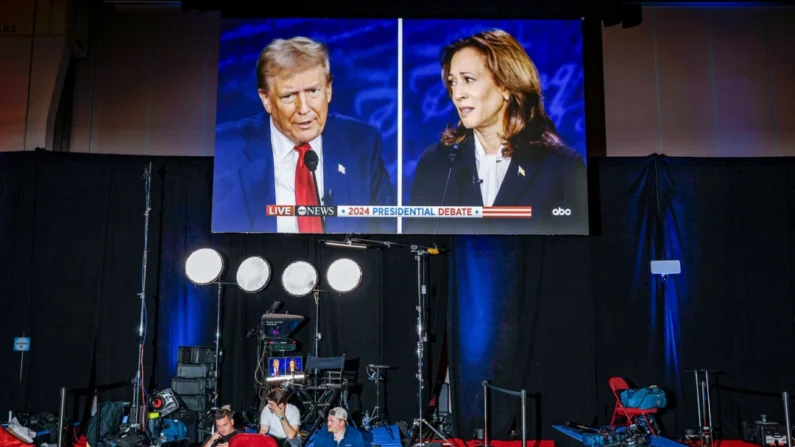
[(262, 160)]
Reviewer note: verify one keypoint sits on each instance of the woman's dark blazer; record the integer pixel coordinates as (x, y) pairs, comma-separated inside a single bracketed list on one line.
[(549, 178)]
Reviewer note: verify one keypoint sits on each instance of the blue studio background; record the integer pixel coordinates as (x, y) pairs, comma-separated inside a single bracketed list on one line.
[(363, 56), (555, 46)]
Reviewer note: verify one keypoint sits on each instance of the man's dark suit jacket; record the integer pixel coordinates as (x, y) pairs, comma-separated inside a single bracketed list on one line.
[(544, 178), (244, 178)]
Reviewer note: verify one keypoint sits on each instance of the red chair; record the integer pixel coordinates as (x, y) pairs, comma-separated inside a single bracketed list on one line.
[(617, 385), (252, 440)]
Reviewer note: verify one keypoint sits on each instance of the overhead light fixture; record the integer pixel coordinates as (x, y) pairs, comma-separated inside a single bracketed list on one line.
[(204, 266), (253, 274), (345, 244), (344, 275), (299, 278), (666, 267), (348, 242)]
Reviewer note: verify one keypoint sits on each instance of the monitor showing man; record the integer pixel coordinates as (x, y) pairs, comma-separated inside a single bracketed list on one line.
[(297, 153), (280, 419), (275, 371)]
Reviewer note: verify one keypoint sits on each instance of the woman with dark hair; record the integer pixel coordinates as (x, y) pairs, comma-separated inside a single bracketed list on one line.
[(504, 151)]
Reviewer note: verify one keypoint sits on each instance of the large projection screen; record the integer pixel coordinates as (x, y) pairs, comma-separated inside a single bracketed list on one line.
[(413, 126)]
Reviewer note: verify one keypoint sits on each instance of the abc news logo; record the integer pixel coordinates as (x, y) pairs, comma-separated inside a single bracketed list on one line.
[(561, 211), (300, 210)]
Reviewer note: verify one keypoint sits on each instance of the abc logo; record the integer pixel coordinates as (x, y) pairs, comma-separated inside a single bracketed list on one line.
[(301, 210), (561, 212)]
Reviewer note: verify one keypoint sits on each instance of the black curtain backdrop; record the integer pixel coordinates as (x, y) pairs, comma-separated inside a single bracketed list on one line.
[(71, 229), (557, 316)]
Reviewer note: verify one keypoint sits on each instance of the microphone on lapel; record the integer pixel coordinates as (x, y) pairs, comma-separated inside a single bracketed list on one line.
[(311, 161)]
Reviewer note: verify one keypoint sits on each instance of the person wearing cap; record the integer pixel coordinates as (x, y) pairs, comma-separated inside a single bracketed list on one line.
[(337, 433)]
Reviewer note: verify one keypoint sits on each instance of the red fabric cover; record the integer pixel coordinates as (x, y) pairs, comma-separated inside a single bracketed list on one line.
[(9, 440), (252, 440)]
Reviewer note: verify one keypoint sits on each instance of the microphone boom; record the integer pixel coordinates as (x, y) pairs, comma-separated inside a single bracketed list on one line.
[(311, 161), (452, 156)]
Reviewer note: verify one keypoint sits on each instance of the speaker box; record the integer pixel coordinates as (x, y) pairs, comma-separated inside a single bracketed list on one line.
[(196, 355), (190, 387)]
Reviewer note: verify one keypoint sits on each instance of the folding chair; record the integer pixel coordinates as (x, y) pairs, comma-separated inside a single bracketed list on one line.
[(618, 384), (332, 366)]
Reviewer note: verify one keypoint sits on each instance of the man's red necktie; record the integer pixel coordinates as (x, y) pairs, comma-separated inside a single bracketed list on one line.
[(305, 193)]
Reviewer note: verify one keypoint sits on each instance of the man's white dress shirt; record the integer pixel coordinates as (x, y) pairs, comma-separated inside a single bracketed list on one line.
[(285, 161)]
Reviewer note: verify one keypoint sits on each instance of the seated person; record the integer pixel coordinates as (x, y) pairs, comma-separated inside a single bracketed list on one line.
[(336, 433), (224, 426), (280, 419)]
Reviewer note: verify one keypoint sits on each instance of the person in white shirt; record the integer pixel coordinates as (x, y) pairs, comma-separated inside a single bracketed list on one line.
[(280, 419)]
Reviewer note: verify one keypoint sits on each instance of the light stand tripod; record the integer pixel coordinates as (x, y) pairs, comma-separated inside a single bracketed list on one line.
[(420, 255), (705, 428), (318, 336), (137, 412), (216, 374)]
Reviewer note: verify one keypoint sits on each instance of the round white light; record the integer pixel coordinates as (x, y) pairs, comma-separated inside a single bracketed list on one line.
[(253, 274), (204, 266), (344, 275), (299, 278)]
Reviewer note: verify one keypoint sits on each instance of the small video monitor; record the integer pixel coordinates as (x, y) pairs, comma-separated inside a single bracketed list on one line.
[(285, 366)]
